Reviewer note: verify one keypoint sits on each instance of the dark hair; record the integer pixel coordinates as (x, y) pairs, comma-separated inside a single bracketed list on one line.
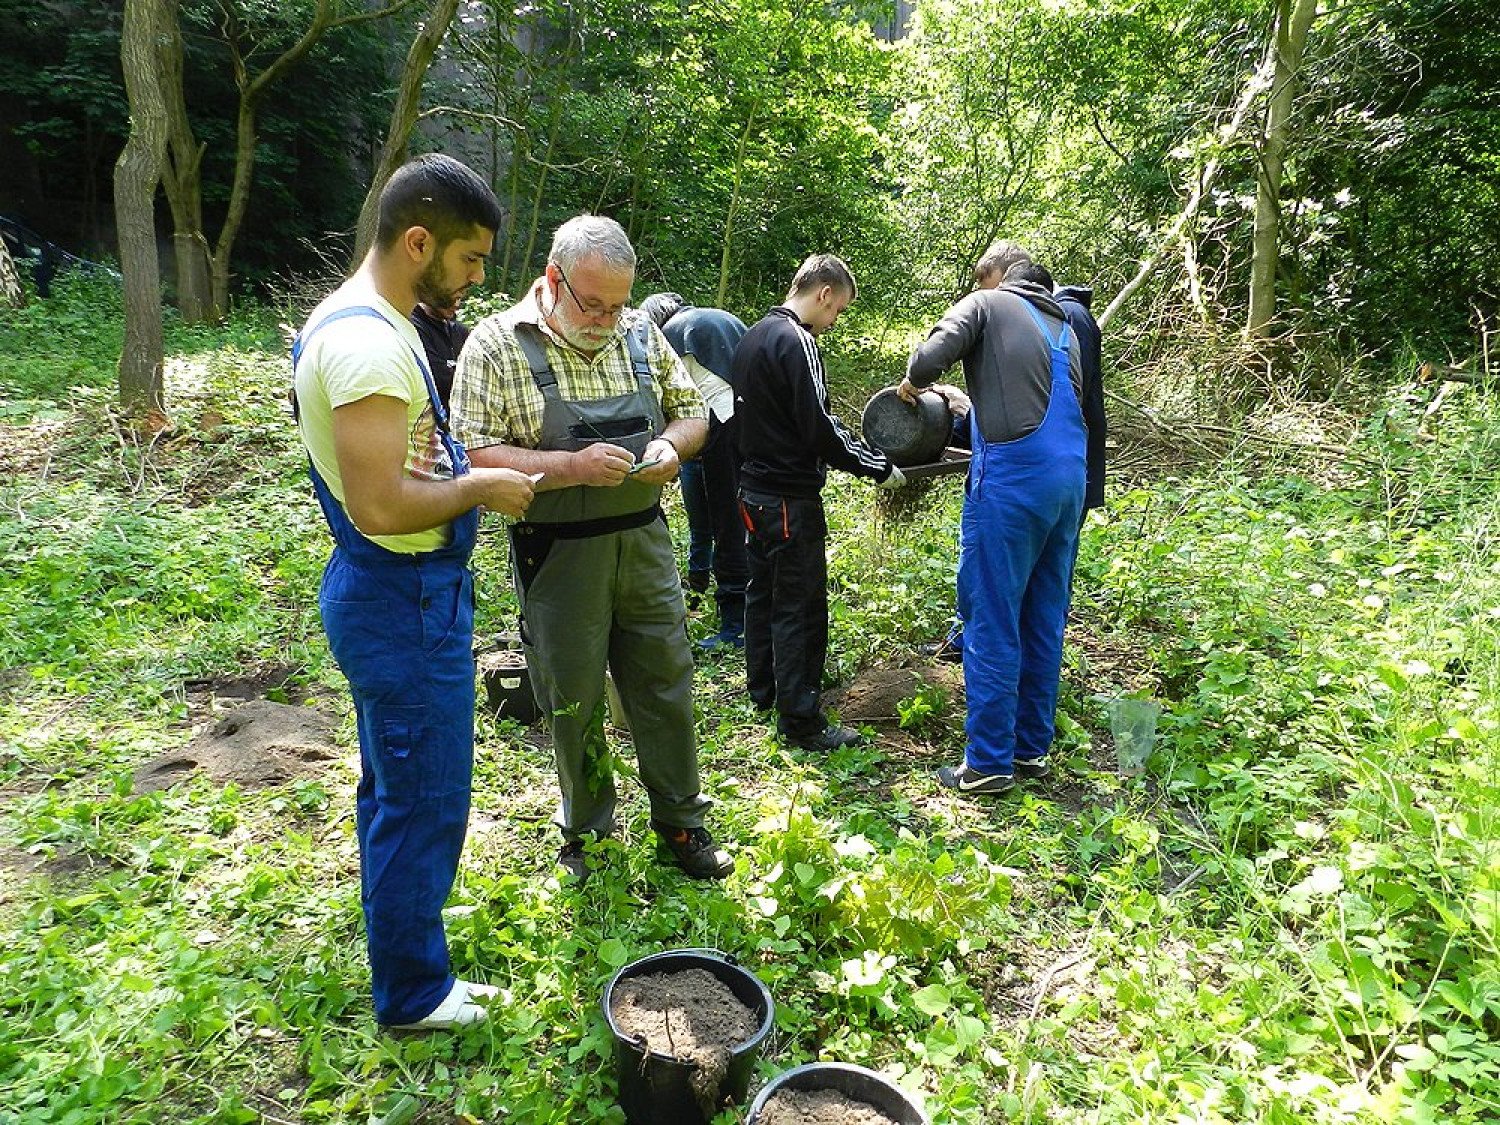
[(1030, 271), (823, 269), (439, 193), (662, 307)]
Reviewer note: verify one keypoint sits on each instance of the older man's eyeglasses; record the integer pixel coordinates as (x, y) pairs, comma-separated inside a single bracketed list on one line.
[(594, 310)]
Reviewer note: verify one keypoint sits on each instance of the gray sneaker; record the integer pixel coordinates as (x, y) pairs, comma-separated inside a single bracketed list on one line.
[(967, 780), (1033, 767)]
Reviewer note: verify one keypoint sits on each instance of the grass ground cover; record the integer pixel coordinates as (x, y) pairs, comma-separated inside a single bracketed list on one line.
[(1292, 916)]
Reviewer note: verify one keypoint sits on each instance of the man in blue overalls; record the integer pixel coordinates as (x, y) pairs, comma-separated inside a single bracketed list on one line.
[(1023, 502), (571, 386), (397, 596)]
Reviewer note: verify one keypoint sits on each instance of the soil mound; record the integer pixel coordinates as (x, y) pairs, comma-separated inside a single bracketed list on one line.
[(876, 694), (259, 743)]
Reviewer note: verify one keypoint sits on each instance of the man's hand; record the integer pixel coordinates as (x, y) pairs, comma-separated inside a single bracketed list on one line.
[(908, 391), (505, 490), (958, 402), (602, 465), (895, 480), (666, 452)]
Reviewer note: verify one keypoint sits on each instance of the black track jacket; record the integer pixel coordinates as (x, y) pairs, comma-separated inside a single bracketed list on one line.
[(787, 438)]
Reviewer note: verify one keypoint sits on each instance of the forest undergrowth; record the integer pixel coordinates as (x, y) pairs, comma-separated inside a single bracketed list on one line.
[(1291, 916)]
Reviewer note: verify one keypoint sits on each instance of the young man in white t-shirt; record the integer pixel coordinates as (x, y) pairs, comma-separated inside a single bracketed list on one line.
[(397, 598)]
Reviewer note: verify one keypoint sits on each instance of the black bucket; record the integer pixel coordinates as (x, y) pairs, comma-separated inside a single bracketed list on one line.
[(907, 434), (655, 1089), (853, 1082), (507, 682)]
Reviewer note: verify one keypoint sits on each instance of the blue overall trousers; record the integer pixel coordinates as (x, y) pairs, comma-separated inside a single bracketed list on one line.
[(401, 627), (1017, 545)]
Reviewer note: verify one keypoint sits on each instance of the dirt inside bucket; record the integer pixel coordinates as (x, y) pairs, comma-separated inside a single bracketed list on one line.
[(502, 660), (818, 1107), (690, 1015)]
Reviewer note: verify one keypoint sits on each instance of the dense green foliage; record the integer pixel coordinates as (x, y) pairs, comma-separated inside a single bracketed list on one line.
[(732, 139), (1293, 917), (62, 95)]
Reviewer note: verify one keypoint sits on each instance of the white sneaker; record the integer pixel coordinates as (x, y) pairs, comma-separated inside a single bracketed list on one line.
[(464, 1004)]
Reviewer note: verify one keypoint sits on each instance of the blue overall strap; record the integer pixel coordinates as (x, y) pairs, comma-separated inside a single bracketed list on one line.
[(438, 410), (533, 347), (1061, 343)]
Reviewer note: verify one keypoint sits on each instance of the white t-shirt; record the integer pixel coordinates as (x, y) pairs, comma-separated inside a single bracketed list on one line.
[(357, 357), (715, 391)]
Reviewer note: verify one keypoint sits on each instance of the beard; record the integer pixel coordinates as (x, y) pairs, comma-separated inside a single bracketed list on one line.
[(433, 291), (586, 338)]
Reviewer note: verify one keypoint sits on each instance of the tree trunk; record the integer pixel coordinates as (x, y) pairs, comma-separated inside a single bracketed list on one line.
[(251, 93), (403, 117), (1289, 39), (182, 180), (239, 199), (12, 296), (536, 195), (144, 33), (513, 200), (726, 240), (1253, 86)]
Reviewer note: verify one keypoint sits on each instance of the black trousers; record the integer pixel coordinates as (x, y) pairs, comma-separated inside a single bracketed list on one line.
[(786, 608), (721, 480)]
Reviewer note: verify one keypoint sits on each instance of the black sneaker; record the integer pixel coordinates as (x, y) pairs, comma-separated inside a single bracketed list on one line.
[(967, 780), (1033, 767), (942, 651), (831, 737), (695, 851), (572, 858)]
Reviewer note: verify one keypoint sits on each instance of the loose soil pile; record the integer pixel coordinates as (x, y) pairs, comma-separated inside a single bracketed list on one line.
[(818, 1107), (257, 744), (690, 1015), (876, 694)]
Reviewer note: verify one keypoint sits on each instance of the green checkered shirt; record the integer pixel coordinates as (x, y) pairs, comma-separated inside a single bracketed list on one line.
[(496, 401)]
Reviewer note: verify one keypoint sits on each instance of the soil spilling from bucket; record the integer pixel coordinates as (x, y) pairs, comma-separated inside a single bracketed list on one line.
[(819, 1107), (690, 1015)]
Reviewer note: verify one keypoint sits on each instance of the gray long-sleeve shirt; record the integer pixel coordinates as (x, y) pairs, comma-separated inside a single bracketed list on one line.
[(1007, 364)]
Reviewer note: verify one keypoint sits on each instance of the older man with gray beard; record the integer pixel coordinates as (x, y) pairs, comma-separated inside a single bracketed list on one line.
[(584, 393)]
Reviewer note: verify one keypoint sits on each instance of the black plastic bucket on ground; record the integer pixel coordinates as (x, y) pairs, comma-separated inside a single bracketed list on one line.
[(852, 1081), (655, 1089), (507, 681)]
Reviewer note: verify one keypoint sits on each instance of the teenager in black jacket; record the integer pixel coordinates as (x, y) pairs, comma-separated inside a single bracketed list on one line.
[(788, 440)]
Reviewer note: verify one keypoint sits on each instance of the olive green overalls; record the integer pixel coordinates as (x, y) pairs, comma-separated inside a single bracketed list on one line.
[(597, 583)]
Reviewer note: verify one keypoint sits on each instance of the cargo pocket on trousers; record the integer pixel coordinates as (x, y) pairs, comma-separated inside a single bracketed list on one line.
[(765, 518), (397, 762)]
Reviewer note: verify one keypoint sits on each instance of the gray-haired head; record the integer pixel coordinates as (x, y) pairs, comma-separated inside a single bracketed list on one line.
[(592, 236), (995, 262)]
